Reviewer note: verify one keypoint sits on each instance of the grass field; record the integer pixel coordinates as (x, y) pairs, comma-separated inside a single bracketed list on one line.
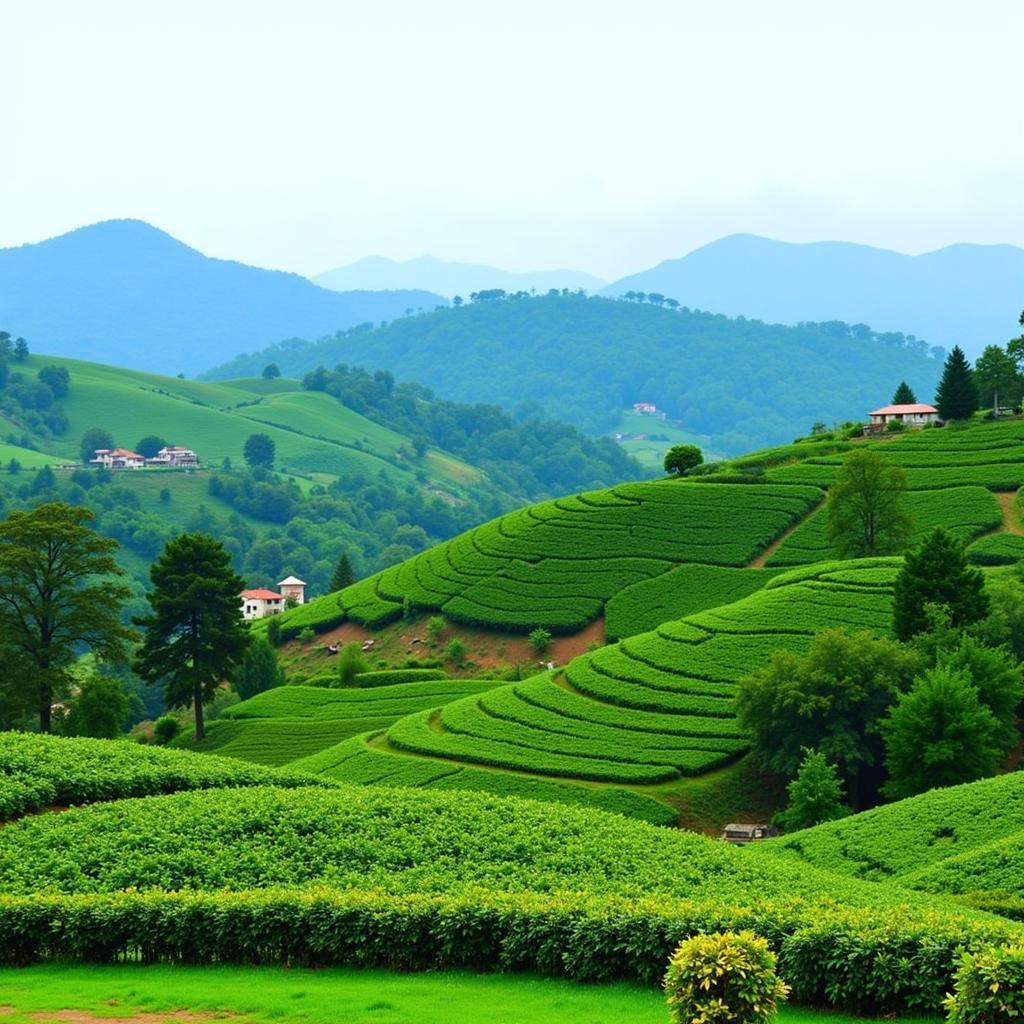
[(266, 995), (28, 458), (651, 453)]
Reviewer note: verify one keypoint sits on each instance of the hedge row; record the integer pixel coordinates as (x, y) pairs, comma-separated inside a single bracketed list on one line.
[(865, 962), (398, 676)]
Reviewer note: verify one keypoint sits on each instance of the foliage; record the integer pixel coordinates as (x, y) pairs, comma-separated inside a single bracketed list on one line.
[(99, 709), (681, 458), (92, 440), (455, 651), (59, 593), (904, 395), (956, 397), (395, 676), (867, 507), (194, 635), (260, 669), (344, 576), (937, 572), (989, 987), (150, 445), (721, 978), (165, 729), (259, 450), (833, 698), (815, 795), (271, 371), (350, 663), (997, 379), (939, 734), (540, 639)]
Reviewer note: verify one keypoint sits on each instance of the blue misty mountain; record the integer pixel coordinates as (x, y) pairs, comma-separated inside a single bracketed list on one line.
[(969, 295), (450, 279), (126, 293)]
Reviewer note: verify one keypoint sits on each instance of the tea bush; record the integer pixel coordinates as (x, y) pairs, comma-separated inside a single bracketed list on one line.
[(989, 988)]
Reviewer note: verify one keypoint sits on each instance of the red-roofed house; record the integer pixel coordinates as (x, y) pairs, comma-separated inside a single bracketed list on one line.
[(117, 458), (174, 455), (917, 415), (257, 604)]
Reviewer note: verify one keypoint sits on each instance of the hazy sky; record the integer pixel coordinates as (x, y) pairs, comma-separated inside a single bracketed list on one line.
[(601, 135)]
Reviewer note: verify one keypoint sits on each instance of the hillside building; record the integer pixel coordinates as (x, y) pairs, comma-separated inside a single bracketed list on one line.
[(117, 458), (174, 456), (294, 588), (917, 415), (258, 604)]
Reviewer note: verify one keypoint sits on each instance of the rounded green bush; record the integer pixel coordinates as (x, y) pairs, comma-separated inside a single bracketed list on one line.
[(989, 987), (723, 977)]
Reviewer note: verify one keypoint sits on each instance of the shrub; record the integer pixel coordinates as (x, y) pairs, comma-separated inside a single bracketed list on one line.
[(274, 632), (165, 729), (395, 676), (350, 663), (306, 634), (724, 977), (455, 651), (540, 639), (989, 987)]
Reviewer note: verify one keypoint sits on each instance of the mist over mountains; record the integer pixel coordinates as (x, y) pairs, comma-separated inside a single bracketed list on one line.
[(967, 295), (127, 293)]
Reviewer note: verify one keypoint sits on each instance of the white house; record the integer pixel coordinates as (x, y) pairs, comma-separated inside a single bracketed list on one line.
[(117, 458), (292, 587), (916, 415), (258, 604), (174, 455)]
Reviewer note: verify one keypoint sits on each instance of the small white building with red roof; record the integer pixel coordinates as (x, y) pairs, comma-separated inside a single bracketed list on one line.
[(259, 603), (916, 415), (174, 455), (117, 458)]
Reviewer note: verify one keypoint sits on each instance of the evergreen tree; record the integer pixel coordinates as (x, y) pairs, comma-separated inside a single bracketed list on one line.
[(956, 397), (867, 507), (937, 573), (20, 350), (904, 395), (195, 635), (59, 593), (260, 670), (343, 575), (939, 734), (815, 795)]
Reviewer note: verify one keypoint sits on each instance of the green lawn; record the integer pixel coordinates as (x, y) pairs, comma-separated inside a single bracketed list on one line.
[(336, 996)]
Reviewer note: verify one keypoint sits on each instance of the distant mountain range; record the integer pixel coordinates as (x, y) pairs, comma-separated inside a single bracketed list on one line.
[(449, 279), (124, 292), (970, 295)]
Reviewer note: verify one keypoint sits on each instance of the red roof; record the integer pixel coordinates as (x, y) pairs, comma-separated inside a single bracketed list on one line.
[(261, 595), (123, 453), (896, 410)]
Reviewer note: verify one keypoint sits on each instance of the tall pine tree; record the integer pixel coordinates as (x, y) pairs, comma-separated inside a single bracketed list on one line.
[(904, 395), (343, 575), (956, 397)]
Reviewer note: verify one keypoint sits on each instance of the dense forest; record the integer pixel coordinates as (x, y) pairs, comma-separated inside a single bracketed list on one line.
[(583, 360)]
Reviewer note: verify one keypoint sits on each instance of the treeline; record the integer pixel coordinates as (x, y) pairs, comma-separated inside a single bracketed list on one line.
[(30, 402), (527, 456), (582, 360)]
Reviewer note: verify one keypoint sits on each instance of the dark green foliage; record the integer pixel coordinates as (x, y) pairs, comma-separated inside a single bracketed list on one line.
[(20, 350), (165, 729), (259, 450), (681, 458), (260, 670), (937, 573), (92, 440), (956, 397), (150, 445), (723, 978), (399, 676), (194, 635), (350, 663), (815, 795), (274, 631), (57, 379), (867, 509), (833, 700), (939, 734), (989, 987), (60, 592), (904, 395), (271, 371), (540, 639), (99, 709), (997, 379), (343, 575)]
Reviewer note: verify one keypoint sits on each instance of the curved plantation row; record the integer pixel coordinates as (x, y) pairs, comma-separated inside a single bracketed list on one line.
[(414, 879), (556, 564), (653, 707)]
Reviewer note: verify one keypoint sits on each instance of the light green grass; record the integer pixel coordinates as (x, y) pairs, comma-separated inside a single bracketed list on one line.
[(651, 454), (28, 458), (350, 996)]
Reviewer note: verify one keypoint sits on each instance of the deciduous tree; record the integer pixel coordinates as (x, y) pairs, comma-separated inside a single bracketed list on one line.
[(99, 709), (866, 510), (194, 636), (681, 458), (92, 440), (59, 593), (260, 670), (259, 450), (150, 445)]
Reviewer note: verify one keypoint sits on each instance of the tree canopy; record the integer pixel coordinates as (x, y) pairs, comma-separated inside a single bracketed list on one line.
[(259, 450), (681, 458), (150, 445), (867, 507), (904, 395), (815, 795), (94, 439), (956, 397)]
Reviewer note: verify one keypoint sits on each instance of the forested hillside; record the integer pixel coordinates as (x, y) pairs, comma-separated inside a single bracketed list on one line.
[(125, 292), (741, 382)]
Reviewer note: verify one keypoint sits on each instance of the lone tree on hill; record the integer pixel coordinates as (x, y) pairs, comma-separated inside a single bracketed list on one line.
[(271, 371), (867, 507), (904, 395), (150, 445), (59, 592), (20, 350), (259, 450), (937, 573), (195, 635), (939, 734), (956, 397), (681, 458), (92, 440), (344, 576)]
